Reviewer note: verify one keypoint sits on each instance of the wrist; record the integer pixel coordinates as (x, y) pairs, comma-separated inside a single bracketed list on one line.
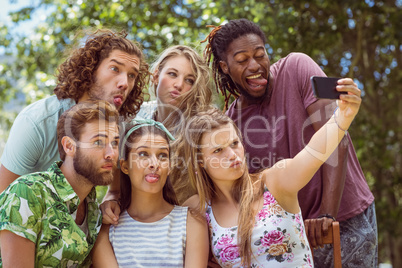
[(337, 122), (326, 215), (115, 200)]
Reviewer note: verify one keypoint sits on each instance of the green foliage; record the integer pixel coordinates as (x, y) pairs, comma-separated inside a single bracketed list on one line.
[(358, 39)]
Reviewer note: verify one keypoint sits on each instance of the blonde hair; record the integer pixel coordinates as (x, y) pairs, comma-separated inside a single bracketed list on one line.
[(246, 191), (193, 101)]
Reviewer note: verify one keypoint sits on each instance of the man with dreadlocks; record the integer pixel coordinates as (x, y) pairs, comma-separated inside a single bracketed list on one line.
[(277, 114)]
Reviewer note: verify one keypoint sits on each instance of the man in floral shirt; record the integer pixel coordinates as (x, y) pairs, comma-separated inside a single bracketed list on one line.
[(52, 219)]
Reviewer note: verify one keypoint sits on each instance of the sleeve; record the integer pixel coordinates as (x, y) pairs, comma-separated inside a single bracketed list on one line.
[(306, 67), (21, 211), (24, 146)]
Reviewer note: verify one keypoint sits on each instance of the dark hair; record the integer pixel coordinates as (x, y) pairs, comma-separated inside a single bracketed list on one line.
[(72, 121), (77, 74), (125, 182), (218, 42)]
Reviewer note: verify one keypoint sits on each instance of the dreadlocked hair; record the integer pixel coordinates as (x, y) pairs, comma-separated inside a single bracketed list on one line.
[(246, 190), (219, 40)]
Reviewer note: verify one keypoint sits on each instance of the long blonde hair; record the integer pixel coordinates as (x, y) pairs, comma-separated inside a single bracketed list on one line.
[(246, 191), (193, 101)]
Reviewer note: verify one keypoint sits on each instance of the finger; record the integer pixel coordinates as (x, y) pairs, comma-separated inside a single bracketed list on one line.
[(310, 233), (345, 81), (107, 220), (318, 232), (350, 89), (325, 226), (112, 214)]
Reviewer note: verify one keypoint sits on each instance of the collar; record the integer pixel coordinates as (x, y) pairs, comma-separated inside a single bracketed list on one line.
[(64, 190)]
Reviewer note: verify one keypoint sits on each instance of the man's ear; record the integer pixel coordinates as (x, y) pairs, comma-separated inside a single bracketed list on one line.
[(69, 146), (123, 166), (224, 66)]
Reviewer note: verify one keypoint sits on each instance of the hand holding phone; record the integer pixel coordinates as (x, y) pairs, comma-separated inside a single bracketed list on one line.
[(325, 87)]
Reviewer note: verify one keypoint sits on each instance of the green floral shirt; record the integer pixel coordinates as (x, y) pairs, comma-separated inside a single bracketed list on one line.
[(42, 207)]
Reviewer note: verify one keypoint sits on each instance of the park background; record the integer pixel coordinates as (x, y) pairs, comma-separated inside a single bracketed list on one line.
[(359, 39)]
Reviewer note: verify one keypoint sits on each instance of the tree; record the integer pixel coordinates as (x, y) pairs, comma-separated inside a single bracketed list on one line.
[(360, 39)]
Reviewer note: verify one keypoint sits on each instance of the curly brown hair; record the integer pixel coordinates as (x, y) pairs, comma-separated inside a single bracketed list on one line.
[(77, 74)]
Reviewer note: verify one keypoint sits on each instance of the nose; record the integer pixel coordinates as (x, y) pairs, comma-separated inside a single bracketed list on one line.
[(122, 84), (110, 152), (178, 84), (253, 65), (153, 163), (231, 154)]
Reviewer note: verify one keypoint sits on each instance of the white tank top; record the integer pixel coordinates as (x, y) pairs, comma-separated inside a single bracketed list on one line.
[(156, 244)]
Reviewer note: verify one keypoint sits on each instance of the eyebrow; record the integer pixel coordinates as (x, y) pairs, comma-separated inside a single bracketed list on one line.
[(147, 147), (104, 136), (243, 51), (122, 64), (174, 69)]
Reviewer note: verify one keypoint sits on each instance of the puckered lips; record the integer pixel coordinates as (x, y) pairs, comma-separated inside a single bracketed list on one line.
[(236, 164), (174, 94), (256, 81), (107, 166), (152, 178)]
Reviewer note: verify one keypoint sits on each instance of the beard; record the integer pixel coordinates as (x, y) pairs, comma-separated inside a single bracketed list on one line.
[(99, 92), (86, 167)]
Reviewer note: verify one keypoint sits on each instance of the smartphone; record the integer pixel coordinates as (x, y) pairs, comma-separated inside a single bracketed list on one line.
[(325, 87)]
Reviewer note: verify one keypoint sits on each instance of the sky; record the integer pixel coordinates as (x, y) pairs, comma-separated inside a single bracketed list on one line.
[(24, 27)]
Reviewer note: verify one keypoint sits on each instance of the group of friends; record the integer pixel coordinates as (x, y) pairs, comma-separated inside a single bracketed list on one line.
[(189, 185)]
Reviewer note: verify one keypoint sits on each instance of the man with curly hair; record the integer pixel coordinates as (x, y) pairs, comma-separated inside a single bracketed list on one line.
[(108, 67)]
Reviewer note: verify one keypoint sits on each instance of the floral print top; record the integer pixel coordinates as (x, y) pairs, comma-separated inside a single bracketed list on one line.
[(42, 207), (278, 239)]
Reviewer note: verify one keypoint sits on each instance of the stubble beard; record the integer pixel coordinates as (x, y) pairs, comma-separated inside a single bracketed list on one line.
[(86, 167)]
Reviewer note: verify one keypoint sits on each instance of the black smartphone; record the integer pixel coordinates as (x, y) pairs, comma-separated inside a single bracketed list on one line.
[(325, 87)]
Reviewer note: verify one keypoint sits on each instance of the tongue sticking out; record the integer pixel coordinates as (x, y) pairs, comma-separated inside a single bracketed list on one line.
[(151, 178), (257, 81), (117, 101)]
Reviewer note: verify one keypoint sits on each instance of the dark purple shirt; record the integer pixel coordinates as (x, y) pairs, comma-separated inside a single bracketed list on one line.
[(279, 128)]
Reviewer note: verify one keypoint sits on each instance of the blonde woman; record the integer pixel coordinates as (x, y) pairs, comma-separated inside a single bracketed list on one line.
[(255, 220)]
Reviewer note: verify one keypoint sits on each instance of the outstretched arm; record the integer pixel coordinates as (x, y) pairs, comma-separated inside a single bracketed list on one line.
[(288, 176), (333, 174), (102, 252)]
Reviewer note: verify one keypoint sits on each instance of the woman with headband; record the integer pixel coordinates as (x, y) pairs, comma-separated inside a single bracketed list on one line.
[(181, 86), (152, 229)]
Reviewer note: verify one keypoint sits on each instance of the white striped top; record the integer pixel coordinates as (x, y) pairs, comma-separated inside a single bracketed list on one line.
[(156, 244)]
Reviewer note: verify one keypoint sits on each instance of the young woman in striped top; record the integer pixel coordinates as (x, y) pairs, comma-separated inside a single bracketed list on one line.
[(152, 229)]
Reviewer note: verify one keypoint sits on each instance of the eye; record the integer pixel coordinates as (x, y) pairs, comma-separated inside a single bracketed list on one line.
[(235, 143), (132, 76), (142, 154), (217, 150), (190, 81), (99, 143), (114, 68), (163, 157), (115, 143), (172, 74)]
